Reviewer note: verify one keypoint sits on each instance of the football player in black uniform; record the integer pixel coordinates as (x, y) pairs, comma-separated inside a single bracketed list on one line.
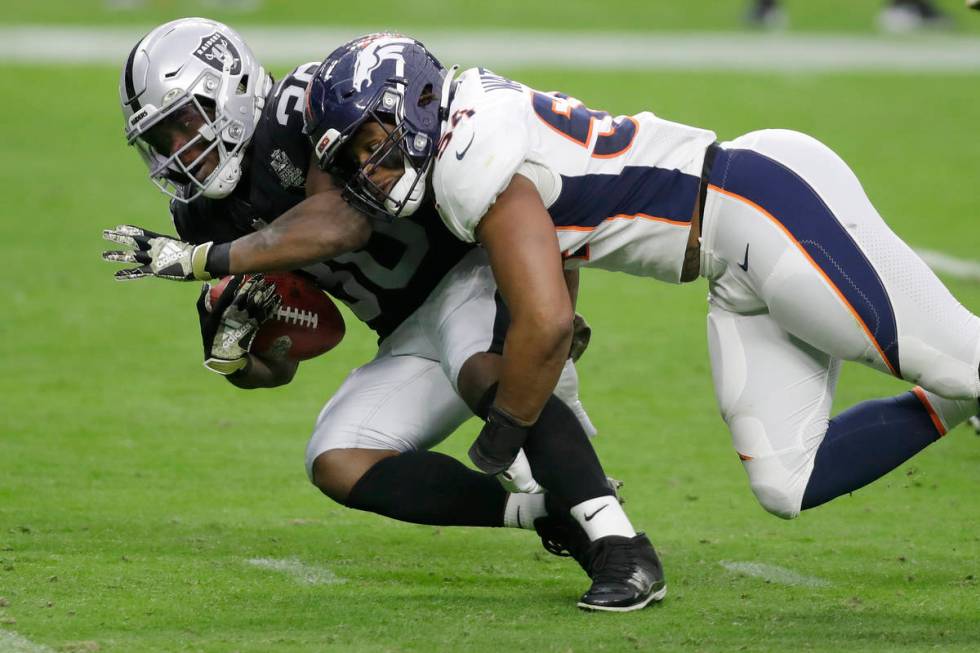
[(246, 200)]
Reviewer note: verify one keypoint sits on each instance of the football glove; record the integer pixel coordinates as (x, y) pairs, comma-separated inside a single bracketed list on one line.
[(499, 442), (160, 256), (518, 478), (229, 328), (581, 335)]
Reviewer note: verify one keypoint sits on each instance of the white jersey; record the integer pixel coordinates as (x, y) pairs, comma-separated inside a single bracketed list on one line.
[(620, 190)]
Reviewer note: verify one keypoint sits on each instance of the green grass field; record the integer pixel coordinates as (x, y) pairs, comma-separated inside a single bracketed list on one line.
[(135, 487), (646, 15)]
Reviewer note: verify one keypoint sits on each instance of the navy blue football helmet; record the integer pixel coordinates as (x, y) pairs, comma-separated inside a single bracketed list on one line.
[(393, 80)]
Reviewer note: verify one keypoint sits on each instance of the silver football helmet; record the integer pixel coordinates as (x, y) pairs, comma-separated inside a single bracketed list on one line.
[(201, 73)]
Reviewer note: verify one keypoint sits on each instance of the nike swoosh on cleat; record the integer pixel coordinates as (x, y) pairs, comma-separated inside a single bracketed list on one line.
[(460, 155), (745, 262), (598, 510), (519, 524)]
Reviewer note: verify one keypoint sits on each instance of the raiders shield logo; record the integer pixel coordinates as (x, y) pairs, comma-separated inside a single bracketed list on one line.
[(214, 48)]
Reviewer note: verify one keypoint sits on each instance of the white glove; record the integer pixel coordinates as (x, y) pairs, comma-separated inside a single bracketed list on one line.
[(518, 479)]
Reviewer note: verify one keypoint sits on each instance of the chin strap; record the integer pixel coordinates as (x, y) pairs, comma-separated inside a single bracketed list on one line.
[(444, 94)]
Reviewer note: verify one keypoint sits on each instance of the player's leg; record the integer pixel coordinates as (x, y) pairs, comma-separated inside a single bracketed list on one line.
[(467, 322), (789, 230), (819, 258), (775, 393), (626, 572), (369, 448)]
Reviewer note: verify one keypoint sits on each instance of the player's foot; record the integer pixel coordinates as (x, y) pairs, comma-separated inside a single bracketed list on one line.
[(561, 535), (766, 14), (902, 16), (973, 4), (626, 574)]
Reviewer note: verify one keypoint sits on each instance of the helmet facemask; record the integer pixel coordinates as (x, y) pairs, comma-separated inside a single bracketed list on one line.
[(192, 116), (408, 193), (218, 131)]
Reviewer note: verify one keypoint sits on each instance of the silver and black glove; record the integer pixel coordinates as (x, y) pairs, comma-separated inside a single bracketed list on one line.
[(229, 328), (158, 255)]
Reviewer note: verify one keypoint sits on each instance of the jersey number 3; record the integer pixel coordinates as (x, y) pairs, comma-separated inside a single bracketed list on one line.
[(574, 121)]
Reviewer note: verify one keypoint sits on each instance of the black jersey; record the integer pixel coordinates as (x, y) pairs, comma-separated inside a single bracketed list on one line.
[(382, 283)]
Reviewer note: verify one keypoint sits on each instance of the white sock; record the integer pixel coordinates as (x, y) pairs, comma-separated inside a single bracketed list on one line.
[(603, 516), (522, 509)]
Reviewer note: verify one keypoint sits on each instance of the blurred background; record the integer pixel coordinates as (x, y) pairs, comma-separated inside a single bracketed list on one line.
[(137, 490)]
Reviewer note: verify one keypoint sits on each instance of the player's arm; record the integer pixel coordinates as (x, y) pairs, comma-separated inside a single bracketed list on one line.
[(321, 227), (571, 282), (581, 331), (520, 240)]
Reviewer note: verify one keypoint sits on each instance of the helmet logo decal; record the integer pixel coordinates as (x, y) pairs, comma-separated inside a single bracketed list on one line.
[(376, 53), (213, 50)]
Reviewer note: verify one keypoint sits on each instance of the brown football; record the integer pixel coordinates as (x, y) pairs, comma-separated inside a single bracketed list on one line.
[(306, 325)]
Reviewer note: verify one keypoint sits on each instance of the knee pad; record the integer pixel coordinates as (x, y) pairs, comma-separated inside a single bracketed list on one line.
[(774, 487), (777, 501)]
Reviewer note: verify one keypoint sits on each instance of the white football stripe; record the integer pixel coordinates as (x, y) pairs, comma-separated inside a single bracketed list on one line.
[(773, 574), (300, 571), (11, 642), (950, 265), (566, 50)]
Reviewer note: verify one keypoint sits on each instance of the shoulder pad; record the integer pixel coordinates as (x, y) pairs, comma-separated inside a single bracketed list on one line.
[(485, 141)]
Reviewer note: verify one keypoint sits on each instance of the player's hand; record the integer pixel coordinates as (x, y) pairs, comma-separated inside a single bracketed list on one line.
[(229, 328), (159, 255), (518, 477), (499, 442), (581, 335)]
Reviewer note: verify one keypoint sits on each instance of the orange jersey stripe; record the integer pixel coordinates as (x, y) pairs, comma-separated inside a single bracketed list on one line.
[(933, 415), (624, 216), (803, 251)]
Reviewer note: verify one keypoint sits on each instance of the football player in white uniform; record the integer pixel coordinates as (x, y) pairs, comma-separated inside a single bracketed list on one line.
[(228, 147), (802, 272)]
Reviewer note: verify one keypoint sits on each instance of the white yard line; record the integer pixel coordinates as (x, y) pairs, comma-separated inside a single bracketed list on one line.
[(950, 266), (577, 49), (11, 642), (773, 574), (299, 571)]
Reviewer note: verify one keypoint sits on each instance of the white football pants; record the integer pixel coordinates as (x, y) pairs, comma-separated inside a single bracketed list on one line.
[(803, 273)]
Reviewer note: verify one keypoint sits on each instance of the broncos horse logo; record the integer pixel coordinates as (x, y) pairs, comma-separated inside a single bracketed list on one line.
[(374, 54)]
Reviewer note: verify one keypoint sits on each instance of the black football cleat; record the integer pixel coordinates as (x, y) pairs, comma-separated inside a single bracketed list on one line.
[(626, 575), (562, 536)]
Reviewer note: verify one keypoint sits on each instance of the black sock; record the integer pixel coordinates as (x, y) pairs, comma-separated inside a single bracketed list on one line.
[(425, 487), (562, 458)]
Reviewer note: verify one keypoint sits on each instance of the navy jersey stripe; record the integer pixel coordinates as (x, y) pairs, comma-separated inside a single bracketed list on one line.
[(798, 207), (588, 200)]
